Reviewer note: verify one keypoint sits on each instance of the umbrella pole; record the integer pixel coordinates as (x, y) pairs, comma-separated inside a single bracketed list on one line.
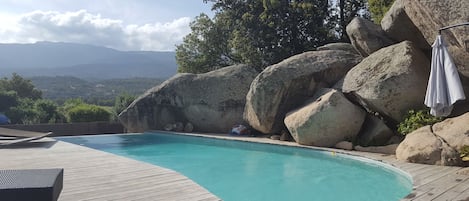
[(452, 26)]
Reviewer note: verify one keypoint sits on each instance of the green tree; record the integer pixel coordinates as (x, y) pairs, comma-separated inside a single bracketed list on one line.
[(29, 111), (378, 8), (344, 11), (206, 48), (8, 99), (122, 102), (47, 111), (23, 113), (23, 87), (259, 33)]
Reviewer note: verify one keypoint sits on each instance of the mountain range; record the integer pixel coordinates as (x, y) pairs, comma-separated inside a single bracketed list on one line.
[(83, 61)]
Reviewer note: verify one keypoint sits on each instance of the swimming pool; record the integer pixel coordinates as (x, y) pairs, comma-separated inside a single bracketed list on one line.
[(235, 170)]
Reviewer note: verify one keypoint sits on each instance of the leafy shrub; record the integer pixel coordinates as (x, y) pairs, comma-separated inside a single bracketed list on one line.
[(416, 119), (464, 153), (88, 113)]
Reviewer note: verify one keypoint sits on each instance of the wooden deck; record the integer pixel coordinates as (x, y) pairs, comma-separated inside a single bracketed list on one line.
[(94, 175)]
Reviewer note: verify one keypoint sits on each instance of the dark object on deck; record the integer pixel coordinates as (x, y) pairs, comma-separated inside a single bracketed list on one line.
[(4, 119), (28, 185)]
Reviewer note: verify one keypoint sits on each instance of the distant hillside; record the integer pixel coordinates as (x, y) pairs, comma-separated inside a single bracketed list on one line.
[(101, 92), (83, 61)]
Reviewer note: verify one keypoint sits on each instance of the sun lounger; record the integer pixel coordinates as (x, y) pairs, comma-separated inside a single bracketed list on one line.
[(12, 136), (6, 132), (22, 140)]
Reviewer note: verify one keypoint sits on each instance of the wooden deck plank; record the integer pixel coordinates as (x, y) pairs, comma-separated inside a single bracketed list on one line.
[(453, 193), (436, 189), (464, 196)]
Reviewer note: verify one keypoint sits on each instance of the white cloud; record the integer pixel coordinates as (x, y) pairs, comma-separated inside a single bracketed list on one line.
[(84, 27)]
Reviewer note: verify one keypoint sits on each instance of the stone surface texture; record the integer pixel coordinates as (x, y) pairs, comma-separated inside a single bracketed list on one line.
[(391, 81), (423, 146), (366, 36), (283, 87), (212, 102), (326, 120)]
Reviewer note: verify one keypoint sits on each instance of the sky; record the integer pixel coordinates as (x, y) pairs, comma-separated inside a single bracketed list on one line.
[(128, 25)]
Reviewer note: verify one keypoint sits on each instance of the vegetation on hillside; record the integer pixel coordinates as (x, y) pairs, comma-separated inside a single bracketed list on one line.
[(261, 33), (22, 102), (101, 92)]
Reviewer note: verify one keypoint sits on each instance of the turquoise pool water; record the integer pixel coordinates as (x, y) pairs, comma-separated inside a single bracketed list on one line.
[(237, 171)]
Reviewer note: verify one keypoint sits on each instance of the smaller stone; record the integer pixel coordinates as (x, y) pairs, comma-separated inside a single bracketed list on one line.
[(388, 149), (275, 137), (188, 128), (178, 127), (168, 127), (285, 136), (344, 145)]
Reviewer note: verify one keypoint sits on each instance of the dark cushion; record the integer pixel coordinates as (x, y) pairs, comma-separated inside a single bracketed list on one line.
[(29, 185)]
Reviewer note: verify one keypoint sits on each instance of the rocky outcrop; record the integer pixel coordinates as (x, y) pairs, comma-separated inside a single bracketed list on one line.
[(286, 85), (391, 81), (431, 15), (374, 132), (211, 102), (438, 144), (325, 121), (399, 27), (338, 46), (423, 146), (366, 36), (454, 131)]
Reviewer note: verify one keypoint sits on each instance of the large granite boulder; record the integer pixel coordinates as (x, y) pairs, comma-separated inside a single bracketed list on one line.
[(286, 85), (211, 102), (327, 120), (390, 81), (374, 132), (366, 36), (454, 131), (423, 146), (431, 15), (399, 27)]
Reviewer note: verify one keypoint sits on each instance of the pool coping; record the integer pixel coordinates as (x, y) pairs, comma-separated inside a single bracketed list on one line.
[(430, 182)]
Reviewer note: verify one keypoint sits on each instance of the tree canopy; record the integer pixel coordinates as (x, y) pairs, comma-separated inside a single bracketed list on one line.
[(343, 12), (378, 8), (23, 87), (261, 33)]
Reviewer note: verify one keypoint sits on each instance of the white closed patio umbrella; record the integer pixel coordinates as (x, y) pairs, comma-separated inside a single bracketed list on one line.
[(444, 86)]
